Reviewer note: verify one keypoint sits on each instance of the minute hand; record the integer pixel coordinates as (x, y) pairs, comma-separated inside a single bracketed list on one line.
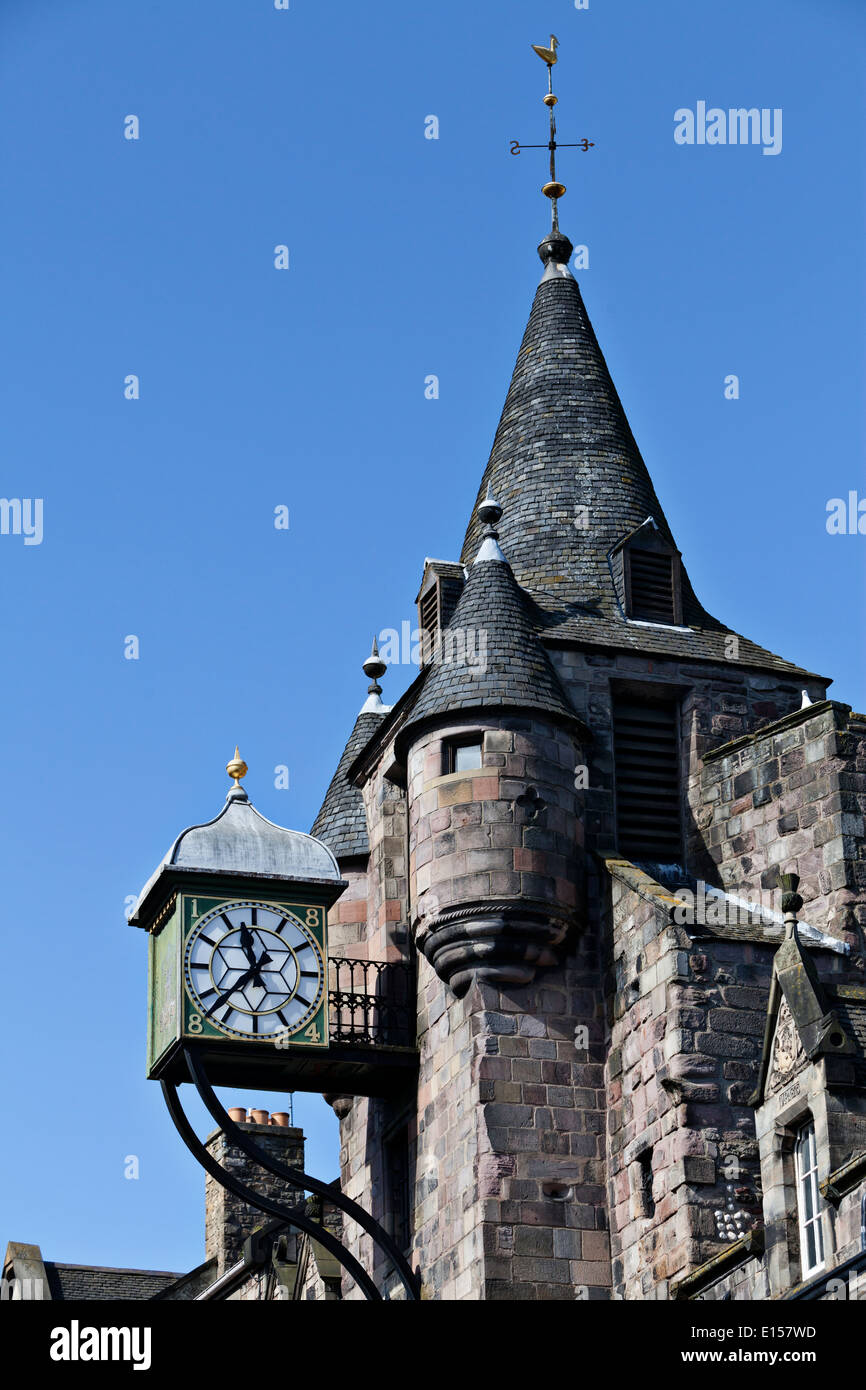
[(240, 983)]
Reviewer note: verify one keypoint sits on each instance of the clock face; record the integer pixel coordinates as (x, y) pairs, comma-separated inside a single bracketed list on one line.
[(253, 970)]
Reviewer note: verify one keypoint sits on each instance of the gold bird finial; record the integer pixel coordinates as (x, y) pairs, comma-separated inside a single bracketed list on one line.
[(548, 54), (237, 768)]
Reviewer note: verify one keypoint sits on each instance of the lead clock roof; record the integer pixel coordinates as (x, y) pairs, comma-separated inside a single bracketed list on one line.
[(241, 840)]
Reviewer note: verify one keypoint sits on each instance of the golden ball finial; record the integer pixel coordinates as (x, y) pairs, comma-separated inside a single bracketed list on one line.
[(237, 768)]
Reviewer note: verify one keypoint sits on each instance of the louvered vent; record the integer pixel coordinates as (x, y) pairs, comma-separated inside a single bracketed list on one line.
[(428, 617), (652, 586), (647, 781), (435, 611)]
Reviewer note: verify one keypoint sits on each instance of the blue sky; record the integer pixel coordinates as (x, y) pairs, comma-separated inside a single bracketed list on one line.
[(305, 388)]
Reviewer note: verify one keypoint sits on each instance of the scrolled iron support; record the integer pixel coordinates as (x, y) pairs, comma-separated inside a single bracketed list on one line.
[(298, 1178), (288, 1215)]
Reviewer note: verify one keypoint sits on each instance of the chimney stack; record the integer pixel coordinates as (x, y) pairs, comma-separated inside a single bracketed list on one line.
[(229, 1220)]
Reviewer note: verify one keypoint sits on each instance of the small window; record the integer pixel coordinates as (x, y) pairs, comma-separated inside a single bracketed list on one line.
[(644, 1184), (809, 1203), (462, 755), (398, 1195)]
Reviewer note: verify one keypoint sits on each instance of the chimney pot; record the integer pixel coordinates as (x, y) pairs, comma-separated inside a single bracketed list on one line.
[(238, 1114), (280, 1117)]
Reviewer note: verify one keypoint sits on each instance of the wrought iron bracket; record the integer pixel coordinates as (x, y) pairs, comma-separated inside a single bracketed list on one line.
[(294, 1176)]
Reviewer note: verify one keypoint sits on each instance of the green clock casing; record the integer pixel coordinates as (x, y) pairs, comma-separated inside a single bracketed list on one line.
[(243, 976)]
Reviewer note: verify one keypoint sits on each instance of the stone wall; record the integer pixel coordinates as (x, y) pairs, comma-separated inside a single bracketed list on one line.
[(718, 702), (686, 1029), (790, 797), (509, 1197), (347, 919), (387, 874)]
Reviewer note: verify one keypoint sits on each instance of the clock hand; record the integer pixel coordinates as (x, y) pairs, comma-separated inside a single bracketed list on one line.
[(264, 959), (227, 994), (242, 982), (248, 943)]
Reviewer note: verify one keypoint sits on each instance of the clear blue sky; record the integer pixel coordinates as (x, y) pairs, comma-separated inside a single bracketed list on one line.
[(305, 388)]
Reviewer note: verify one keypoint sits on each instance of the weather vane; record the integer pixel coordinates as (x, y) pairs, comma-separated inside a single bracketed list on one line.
[(552, 190)]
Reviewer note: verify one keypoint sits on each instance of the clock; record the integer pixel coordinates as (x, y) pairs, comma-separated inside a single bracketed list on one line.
[(243, 977), (236, 915), (255, 969)]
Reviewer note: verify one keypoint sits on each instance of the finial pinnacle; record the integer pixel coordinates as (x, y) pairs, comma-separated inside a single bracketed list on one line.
[(791, 901), (374, 667), (236, 769), (489, 514)]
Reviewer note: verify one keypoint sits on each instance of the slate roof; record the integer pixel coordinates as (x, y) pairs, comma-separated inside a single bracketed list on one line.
[(564, 442), (70, 1283), (342, 822), (849, 1004), (516, 671)]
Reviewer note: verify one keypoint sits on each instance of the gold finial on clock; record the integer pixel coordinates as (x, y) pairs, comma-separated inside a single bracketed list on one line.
[(237, 768)]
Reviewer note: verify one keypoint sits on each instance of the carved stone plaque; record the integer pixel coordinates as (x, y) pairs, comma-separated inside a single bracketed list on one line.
[(788, 1053)]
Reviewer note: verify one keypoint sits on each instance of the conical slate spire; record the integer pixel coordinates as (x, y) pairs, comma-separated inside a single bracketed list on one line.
[(569, 475), (563, 445)]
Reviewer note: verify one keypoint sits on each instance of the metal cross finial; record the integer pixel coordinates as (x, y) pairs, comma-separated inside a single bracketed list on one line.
[(553, 189)]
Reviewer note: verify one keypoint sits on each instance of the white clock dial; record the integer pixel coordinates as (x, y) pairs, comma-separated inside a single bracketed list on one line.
[(253, 970)]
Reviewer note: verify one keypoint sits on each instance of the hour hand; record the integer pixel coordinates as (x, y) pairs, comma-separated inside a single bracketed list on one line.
[(248, 943), (258, 966)]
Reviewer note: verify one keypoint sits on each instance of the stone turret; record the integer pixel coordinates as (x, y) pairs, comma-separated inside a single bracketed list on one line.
[(492, 744)]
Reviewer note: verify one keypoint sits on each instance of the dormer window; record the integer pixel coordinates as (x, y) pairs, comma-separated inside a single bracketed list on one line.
[(647, 574), (440, 590)]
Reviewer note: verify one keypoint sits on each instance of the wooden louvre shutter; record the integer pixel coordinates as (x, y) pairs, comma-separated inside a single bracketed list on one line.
[(435, 611), (652, 586), (428, 617), (646, 752)]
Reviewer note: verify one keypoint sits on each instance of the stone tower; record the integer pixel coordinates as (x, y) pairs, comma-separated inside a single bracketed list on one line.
[(563, 824)]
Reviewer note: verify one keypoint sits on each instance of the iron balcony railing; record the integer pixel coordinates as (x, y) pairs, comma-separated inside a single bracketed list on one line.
[(372, 1002)]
